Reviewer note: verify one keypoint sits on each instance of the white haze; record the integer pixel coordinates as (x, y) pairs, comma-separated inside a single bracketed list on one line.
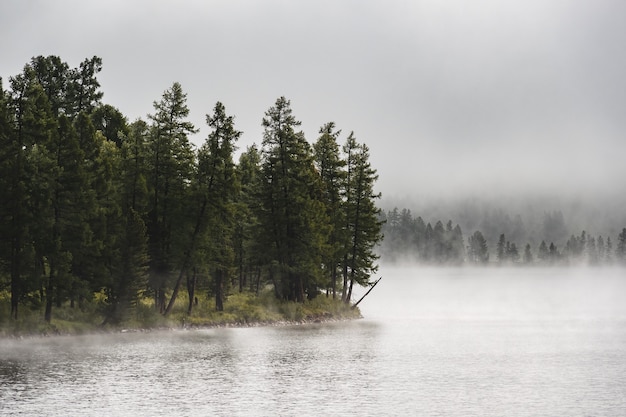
[(452, 97)]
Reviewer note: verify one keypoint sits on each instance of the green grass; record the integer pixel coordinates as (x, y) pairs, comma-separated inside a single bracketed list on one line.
[(240, 309)]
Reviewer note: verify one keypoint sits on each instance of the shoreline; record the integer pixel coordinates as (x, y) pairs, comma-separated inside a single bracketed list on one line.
[(51, 330)]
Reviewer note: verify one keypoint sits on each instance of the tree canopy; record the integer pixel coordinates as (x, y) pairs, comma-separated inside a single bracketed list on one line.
[(99, 207)]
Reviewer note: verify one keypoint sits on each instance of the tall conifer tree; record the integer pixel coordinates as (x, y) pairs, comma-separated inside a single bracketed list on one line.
[(171, 163), (362, 217), (331, 170), (291, 212)]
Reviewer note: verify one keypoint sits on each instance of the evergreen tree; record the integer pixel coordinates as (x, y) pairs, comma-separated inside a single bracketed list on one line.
[(135, 169), (457, 255), (362, 215), (553, 253), (111, 122), (501, 249), (82, 88), (248, 257), (215, 190), (171, 163), (512, 254), (592, 251), (419, 241), (528, 256), (52, 74), (601, 250), (331, 170), (12, 205), (130, 259), (30, 168), (620, 249), (291, 214), (428, 253), (542, 252), (478, 252), (438, 243)]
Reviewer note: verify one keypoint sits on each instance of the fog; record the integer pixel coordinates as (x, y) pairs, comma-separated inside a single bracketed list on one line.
[(454, 99)]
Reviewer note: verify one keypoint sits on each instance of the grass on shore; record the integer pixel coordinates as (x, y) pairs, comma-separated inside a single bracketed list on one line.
[(240, 309)]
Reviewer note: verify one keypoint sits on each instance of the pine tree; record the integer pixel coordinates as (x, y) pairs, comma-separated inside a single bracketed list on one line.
[(331, 170), (111, 122), (478, 252), (362, 217), (291, 214), (528, 256), (439, 245), (31, 169), (52, 74), (620, 249), (12, 204), (429, 244), (601, 250), (247, 259), (457, 246), (130, 259), (512, 254), (213, 212), (553, 253), (171, 163), (82, 88), (501, 249), (542, 252), (609, 251)]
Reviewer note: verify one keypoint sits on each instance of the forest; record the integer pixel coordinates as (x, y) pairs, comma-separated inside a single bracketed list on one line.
[(409, 238), (97, 207)]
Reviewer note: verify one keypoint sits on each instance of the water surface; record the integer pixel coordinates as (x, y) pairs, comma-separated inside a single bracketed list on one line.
[(453, 342)]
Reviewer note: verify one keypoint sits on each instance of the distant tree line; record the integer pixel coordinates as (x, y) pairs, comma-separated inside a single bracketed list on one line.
[(94, 204), (410, 238)]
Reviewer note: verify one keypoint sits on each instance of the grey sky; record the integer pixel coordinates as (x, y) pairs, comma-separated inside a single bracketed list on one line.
[(449, 95)]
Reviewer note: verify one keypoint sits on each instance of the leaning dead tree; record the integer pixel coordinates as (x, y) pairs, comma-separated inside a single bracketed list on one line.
[(368, 291)]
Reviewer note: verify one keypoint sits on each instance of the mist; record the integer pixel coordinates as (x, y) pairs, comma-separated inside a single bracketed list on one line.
[(454, 99)]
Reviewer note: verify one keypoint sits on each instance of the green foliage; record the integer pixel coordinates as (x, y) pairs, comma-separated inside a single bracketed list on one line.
[(292, 219), (363, 224), (170, 162), (99, 214)]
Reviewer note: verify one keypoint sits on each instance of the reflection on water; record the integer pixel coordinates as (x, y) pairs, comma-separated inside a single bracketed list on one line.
[(435, 342)]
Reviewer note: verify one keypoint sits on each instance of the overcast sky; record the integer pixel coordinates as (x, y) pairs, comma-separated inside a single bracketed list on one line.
[(449, 95)]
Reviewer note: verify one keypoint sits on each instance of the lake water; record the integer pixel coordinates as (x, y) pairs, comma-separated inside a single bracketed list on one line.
[(434, 342)]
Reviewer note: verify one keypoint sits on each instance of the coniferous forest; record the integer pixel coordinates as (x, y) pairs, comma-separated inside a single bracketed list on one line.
[(99, 208), (410, 238)]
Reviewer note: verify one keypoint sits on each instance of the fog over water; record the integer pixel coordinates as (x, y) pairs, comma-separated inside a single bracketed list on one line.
[(434, 341), (453, 98)]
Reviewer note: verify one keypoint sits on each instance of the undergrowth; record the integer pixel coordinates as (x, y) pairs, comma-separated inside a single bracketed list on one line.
[(240, 309)]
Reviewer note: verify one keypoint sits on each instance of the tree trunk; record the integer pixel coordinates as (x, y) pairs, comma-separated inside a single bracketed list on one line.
[(49, 290), (349, 297), (299, 289), (170, 305), (161, 300), (15, 278), (334, 281), (16, 242), (344, 290), (187, 260), (219, 290), (258, 280), (191, 290)]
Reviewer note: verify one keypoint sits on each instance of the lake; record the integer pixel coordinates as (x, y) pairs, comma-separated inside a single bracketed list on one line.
[(434, 342)]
